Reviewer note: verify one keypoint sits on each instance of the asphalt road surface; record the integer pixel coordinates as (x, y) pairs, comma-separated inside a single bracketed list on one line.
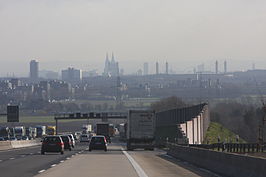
[(117, 162), (27, 162)]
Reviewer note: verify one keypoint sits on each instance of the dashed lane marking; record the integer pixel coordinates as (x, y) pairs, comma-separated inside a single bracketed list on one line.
[(68, 158), (53, 165), (12, 158), (41, 171), (61, 161)]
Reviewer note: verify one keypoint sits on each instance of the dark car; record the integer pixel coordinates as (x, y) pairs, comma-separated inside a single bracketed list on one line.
[(98, 142), (52, 144), (67, 142)]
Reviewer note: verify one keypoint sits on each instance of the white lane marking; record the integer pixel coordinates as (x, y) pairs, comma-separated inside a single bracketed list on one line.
[(67, 158), (41, 171), (12, 158), (31, 153), (53, 165), (136, 166), (1, 160), (61, 161), (22, 155)]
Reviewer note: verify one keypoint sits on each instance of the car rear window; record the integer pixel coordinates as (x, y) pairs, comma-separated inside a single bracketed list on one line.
[(97, 139), (52, 139), (65, 138), (84, 136)]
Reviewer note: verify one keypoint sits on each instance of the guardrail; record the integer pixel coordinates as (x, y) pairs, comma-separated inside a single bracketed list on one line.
[(232, 147)]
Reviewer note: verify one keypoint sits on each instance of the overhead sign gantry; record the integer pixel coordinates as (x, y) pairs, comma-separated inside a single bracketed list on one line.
[(104, 116)]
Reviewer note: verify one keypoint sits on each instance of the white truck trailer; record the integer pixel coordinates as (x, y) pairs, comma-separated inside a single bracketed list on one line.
[(141, 129)]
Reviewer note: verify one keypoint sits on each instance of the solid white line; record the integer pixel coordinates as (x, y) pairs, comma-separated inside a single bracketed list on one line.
[(41, 171), (136, 166)]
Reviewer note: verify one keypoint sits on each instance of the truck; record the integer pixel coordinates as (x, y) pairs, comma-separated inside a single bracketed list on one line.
[(5, 133), (141, 129), (31, 132), (103, 129), (51, 130), (20, 131), (86, 128), (41, 131)]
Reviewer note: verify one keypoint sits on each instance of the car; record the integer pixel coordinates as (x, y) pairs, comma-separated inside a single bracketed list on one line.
[(13, 138), (67, 142), (2, 139), (25, 138), (98, 142), (72, 140), (84, 138), (52, 144)]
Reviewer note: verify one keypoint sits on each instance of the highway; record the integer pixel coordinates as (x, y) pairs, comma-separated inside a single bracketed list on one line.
[(27, 162)]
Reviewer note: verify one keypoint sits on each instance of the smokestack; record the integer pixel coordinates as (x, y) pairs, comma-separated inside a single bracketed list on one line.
[(225, 66), (157, 68), (216, 67), (166, 68)]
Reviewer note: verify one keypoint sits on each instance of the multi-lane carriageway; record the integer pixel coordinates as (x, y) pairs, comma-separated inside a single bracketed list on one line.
[(79, 162)]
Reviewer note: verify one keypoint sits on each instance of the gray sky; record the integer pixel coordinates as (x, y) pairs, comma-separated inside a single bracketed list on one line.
[(78, 33)]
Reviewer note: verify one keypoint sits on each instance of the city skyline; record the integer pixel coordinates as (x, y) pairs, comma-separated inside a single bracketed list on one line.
[(78, 33)]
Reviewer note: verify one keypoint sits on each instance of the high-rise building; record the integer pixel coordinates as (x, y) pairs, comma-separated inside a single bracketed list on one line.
[(145, 68), (111, 68), (225, 66), (166, 68), (34, 71), (216, 67), (72, 75), (157, 68)]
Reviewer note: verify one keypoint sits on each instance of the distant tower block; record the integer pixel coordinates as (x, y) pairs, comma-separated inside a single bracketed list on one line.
[(216, 67), (253, 66), (166, 68), (157, 68), (34, 70), (145, 68), (225, 66)]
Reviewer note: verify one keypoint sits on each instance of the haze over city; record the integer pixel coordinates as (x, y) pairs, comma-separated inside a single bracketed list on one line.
[(78, 33)]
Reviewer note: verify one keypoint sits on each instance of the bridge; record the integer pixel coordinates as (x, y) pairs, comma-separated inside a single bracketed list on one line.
[(181, 152)]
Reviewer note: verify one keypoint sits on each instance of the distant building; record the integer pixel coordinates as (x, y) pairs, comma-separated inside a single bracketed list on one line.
[(72, 75), (111, 68), (139, 72), (145, 68), (157, 68), (34, 71)]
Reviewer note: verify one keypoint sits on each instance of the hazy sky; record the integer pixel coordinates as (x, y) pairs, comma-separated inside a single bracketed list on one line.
[(78, 33)]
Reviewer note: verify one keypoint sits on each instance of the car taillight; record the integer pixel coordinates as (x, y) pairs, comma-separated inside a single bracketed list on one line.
[(61, 144)]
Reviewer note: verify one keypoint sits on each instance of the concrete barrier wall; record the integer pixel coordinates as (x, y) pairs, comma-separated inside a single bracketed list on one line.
[(25, 143), (226, 164), (4, 145)]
